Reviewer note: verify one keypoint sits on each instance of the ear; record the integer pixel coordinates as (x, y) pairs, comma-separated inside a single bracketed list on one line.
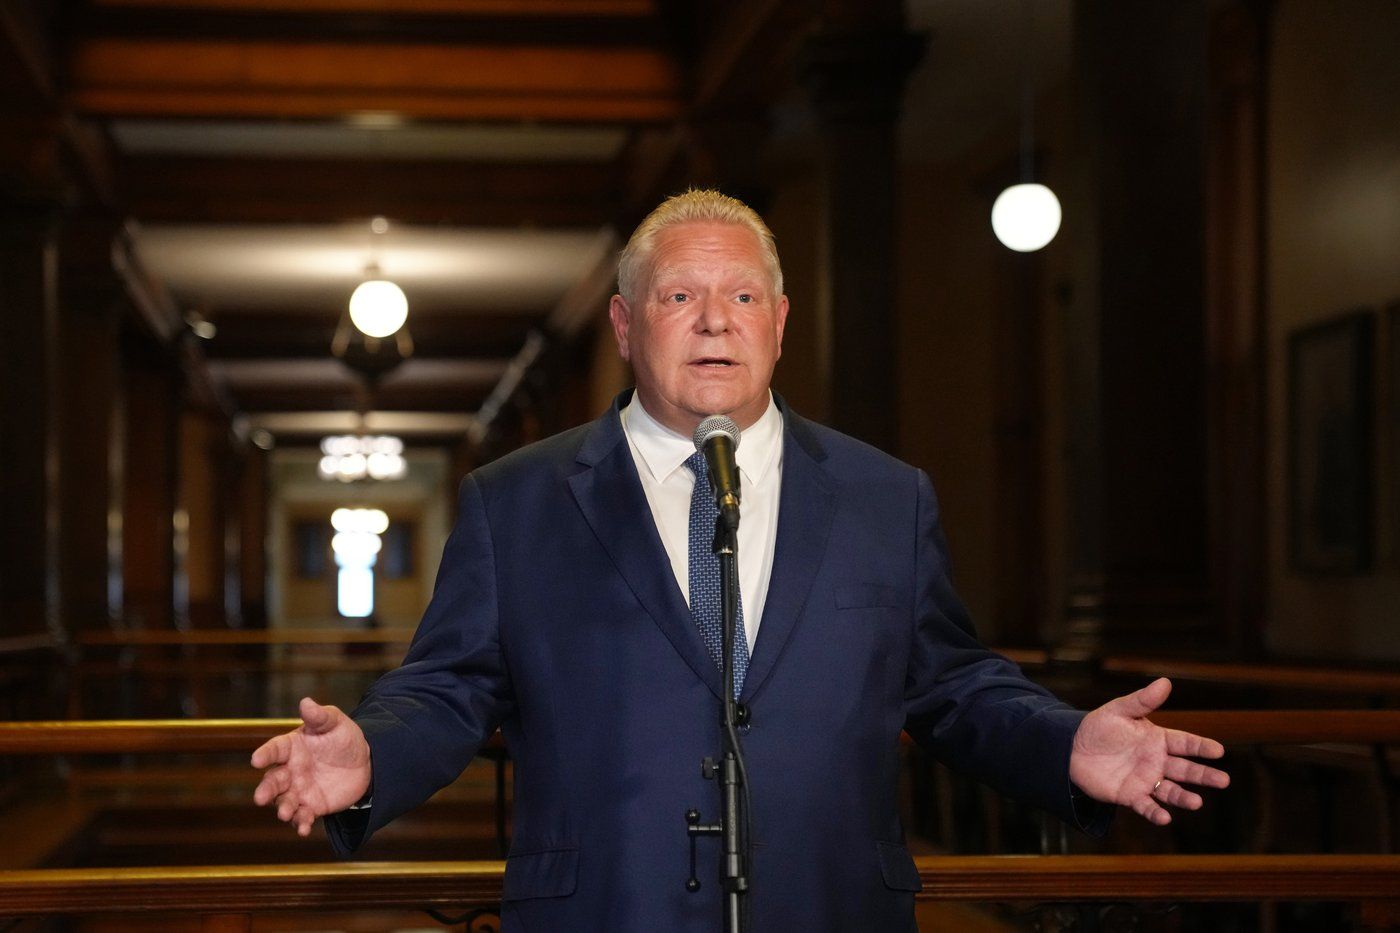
[(780, 319), (621, 317)]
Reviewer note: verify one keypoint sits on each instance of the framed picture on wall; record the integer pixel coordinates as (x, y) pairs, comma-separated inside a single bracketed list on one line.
[(1331, 450)]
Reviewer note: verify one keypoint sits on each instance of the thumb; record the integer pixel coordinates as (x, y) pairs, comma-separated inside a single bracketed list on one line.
[(1141, 703), (318, 718)]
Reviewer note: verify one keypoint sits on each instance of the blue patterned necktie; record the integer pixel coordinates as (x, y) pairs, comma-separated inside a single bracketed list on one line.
[(706, 602)]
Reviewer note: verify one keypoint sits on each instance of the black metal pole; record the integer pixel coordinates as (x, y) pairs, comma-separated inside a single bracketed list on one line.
[(733, 784), (729, 771)]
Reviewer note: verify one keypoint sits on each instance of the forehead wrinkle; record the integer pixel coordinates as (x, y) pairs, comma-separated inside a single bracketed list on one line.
[(680, 271)]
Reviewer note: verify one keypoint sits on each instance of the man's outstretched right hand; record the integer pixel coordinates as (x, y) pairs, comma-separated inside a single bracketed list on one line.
[(321, 767)]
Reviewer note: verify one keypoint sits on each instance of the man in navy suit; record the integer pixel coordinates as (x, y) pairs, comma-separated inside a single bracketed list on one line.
[(568, 613)]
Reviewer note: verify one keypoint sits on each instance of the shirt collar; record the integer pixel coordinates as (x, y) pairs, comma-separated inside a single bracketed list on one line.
[(664, 451)]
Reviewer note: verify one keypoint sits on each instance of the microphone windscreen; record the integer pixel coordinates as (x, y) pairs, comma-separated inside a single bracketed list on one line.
[(716, 424)]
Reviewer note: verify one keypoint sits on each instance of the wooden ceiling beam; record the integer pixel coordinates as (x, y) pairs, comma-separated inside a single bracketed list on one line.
[(232, 79), (571, 27), (270, 334), (532, 8), (312, 397), (278, 190)]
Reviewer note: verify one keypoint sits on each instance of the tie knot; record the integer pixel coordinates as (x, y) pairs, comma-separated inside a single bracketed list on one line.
[(696, 463)]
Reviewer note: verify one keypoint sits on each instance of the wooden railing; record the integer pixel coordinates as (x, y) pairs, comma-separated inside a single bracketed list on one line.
[(226, 889), (233, 893), (278, 636), (1336, 680), (1268, 674), (1309, 678), (86, 737)]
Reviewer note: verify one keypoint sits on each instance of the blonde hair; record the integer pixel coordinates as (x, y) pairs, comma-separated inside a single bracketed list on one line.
[(695, 205)]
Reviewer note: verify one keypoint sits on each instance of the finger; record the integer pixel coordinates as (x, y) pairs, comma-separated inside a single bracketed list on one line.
[(1193, 772), (1140, 703), (318, 718), (287, 807), (1148, 809), (1173, 794), (274, 783), (1192, 745), (275, 751), (304, 821)]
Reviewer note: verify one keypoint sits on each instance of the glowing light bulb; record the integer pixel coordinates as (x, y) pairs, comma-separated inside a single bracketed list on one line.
[(1026, 217), (378, 307)]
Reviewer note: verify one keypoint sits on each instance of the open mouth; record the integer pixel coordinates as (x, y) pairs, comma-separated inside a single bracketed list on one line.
[(713, 362)]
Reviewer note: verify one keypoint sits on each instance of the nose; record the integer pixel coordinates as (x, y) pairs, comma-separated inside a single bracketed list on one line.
[(714, 315)]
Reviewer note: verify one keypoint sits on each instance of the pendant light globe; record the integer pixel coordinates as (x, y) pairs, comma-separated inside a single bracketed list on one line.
[(1026, 217), (378, 308)]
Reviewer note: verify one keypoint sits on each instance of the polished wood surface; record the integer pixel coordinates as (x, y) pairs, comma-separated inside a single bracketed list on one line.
[(250, 78), (118, 736), (604, 8), (62, 737), (114, 736), (222, 888), (1287, 727), (286, 636), (1164, 877), (1283, 676), (231, 888)]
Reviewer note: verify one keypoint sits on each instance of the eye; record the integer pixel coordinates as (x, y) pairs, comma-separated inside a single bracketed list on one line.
[(746, 298), (678, 298)]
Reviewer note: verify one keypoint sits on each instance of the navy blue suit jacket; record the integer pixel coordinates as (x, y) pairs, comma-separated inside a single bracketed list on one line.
[(557, 619)]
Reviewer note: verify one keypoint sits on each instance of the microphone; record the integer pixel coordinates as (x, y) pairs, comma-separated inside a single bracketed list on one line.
[(717, 437)]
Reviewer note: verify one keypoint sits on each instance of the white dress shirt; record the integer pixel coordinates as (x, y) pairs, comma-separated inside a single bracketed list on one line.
[(660, 455)]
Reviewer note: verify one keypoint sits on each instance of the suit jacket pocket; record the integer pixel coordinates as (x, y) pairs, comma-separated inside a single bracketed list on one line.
[(897, 867), (545, 873), (865, 596)]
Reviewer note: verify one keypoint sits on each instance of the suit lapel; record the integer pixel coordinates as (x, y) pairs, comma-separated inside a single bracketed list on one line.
[(611, 498), (805, 511)]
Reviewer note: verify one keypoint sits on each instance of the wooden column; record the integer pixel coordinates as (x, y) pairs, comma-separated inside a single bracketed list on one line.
[(151, 389), (252, 538), (855, 77), (90, 297), (1237, 319), (1020, 449), (1135, 331), (206, 470), (29, 470)]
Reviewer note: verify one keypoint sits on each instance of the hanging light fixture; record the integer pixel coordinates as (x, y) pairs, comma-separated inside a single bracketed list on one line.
[(378, 307), (350, 457), (1026, 216)]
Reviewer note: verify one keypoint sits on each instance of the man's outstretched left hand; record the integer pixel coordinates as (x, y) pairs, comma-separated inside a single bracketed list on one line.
[(1120, 757)]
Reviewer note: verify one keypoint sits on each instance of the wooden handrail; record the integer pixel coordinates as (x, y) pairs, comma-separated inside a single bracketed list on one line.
[(223, 888), (219, 636), (79, 737), (23, 644), (205, 668), (1285, 676), (123, 736), (1159, 877), (416, 885), (1287, 727)]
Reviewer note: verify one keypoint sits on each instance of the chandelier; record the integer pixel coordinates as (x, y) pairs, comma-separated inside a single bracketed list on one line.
[(350, 457)]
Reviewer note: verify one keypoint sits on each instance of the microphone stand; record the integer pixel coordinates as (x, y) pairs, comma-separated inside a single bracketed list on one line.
[(733, 826)]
